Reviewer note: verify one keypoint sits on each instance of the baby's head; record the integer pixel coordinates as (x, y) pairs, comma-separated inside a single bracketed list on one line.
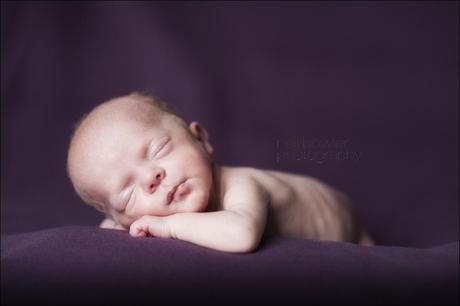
[(133, 156)]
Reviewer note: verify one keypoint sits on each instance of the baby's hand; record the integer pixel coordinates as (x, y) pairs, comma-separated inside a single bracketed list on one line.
[(150, 225)]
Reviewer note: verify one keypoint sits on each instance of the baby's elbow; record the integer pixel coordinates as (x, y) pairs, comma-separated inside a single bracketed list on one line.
[(248, 238)]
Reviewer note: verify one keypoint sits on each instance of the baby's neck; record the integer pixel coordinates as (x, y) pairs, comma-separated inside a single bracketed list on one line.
[(214, 196)]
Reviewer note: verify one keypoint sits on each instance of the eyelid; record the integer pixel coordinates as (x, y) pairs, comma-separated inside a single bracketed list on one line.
[(157, 146), (127, 197)]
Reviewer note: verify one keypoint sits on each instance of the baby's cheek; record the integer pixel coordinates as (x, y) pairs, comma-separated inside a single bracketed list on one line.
[(197, 201)]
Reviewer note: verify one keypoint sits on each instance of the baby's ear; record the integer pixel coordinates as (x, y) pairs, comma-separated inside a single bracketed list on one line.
[(201, 134)]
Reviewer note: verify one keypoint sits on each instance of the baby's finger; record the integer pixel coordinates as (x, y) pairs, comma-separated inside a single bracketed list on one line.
[(138, 230)]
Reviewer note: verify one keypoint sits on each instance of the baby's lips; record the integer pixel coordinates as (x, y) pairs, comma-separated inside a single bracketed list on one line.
[(183, 189)]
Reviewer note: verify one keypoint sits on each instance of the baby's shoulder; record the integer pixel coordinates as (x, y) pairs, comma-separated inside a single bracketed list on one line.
[(241, 182), (261, 176), (239, 176), (275, 187), (278, 184), (259, 180)]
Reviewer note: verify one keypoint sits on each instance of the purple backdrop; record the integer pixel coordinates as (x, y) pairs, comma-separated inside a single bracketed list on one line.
[(372, 85)]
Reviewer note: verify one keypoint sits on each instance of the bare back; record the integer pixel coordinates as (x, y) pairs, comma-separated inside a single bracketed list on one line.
[(303, 207)]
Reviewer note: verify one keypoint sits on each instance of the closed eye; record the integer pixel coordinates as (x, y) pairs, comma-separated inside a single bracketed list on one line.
[(127, 198), (131, 198), (164, 150), (158, 147)]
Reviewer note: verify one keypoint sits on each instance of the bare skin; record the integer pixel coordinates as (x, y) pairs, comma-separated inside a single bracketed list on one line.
[(160, 180)]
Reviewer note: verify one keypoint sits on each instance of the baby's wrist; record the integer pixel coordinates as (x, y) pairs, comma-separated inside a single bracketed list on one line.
[(170, 224)]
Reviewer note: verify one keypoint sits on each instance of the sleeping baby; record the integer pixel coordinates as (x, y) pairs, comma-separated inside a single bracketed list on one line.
[(138, 162)]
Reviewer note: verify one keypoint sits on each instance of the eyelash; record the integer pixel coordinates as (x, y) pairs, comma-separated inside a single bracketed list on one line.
[(129, 197), (159, 149)]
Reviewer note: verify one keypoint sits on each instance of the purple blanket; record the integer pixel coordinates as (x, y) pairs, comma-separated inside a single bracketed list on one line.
[(88, 265)]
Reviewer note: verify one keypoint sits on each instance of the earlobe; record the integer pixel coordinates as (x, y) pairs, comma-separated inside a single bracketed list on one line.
[(209, 148)]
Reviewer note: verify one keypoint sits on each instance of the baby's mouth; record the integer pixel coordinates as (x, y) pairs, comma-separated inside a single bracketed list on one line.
[(170, 196), (179, 190)]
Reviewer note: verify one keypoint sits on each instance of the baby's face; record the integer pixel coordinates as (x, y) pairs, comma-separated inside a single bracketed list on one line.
[(136, 169)]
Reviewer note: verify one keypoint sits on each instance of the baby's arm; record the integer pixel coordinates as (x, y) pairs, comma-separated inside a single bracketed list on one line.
[(238, 228)]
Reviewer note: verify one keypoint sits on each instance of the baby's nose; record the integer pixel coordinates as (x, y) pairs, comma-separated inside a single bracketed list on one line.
[(154, 179)]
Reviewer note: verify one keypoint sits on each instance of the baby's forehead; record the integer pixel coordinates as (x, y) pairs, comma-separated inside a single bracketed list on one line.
[(121, 118), (127, 109), (122, 134), (118, 118)]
